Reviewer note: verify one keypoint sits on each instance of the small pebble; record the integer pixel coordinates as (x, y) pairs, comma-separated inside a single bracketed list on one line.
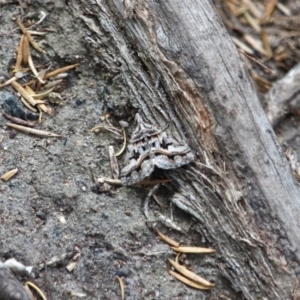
[(19, 74), (62, 219), (41, 215), (123, 123)]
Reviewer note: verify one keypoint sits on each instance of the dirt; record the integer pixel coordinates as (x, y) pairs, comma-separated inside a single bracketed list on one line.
[(56, 177)]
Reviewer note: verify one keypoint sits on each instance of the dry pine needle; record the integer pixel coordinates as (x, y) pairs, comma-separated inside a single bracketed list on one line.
[(32, 131), (188, 281), (8, 175), (190, 275), (196, 250), (167, 239)]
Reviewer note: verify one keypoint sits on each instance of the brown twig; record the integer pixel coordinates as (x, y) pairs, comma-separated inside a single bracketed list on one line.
[(32, 131), (18, 121)]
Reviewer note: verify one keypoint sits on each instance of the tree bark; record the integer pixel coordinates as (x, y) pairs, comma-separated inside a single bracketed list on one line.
[(181, 66)]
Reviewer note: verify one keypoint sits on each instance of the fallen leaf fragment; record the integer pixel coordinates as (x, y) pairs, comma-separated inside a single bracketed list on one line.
[(190, 275), (167, 239), (8, 175), (195, 250), (32, 131), (188, 281)]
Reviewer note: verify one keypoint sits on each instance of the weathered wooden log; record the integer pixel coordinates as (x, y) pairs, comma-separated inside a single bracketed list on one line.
[(181, 67)]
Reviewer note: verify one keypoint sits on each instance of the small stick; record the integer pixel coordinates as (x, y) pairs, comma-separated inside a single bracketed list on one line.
[(20, 53), (61, 70), (30, 38), (23, 92), (32, 131), (18, 121)]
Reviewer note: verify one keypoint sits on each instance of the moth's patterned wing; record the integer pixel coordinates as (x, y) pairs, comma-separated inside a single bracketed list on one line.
[(10, 287), (171, 160), (143, 130), (150, 147), (138, 164), (139, 174)]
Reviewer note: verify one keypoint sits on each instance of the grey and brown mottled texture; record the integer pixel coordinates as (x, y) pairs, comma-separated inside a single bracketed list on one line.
[(149, 147)]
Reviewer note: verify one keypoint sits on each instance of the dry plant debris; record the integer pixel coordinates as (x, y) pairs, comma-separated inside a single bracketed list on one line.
[(32, 285), (267, 33), (186, 276), (31, 92), (121, 287), (8, 175)]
